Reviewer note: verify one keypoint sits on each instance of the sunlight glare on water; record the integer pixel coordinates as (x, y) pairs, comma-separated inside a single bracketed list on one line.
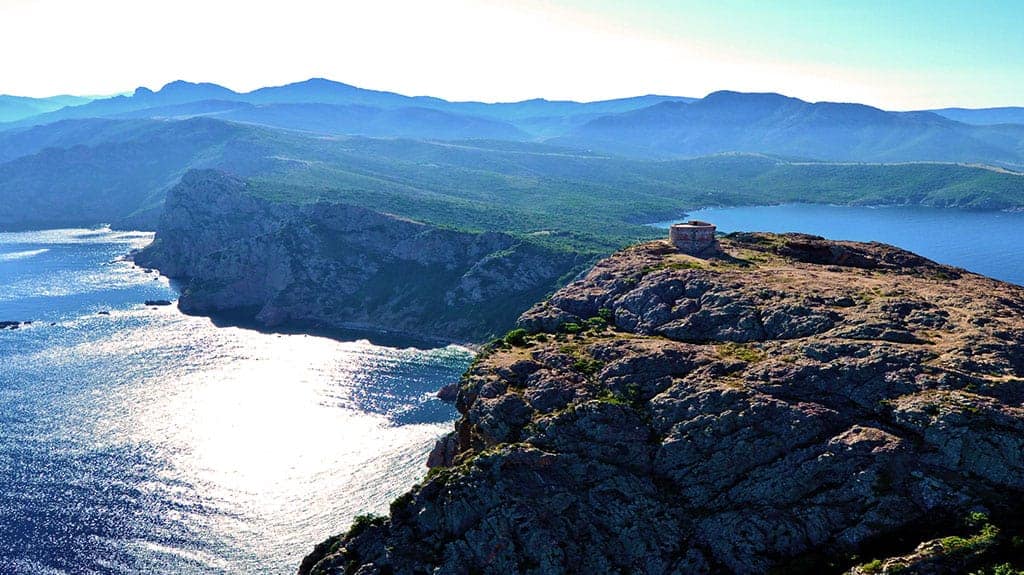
[(150, 441)]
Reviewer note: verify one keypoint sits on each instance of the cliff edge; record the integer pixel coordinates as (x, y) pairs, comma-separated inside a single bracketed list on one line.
[(330, 264), (791, 404)]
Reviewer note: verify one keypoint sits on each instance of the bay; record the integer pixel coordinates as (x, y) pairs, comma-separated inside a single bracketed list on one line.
[(986, 242), (136, 439)]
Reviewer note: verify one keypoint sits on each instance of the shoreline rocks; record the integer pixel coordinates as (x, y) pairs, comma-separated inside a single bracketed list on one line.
[(448, 393)]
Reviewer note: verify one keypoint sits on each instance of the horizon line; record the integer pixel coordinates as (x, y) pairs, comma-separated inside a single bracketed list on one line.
[(131, 93)]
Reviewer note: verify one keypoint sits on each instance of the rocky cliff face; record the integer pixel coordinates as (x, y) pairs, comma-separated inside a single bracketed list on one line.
[(343, 266), (790, 405)]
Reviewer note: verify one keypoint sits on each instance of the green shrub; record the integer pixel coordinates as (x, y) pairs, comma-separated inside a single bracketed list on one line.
[(874, 566), (516, 338), (597, 323), (629, 398), (401, 502), (685, 265), (985, 538), (363, 522), (606, 396), (976, 519), (571, 327), (587, 365), (741, 352)]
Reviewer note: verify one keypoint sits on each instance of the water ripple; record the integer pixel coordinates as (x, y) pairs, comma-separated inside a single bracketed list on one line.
[(141, 440)]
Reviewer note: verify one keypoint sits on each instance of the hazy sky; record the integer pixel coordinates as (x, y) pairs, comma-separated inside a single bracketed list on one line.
[(897, 54)]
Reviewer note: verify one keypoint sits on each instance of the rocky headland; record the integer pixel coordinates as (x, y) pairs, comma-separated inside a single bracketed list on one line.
[(789, 405), (334, 265)]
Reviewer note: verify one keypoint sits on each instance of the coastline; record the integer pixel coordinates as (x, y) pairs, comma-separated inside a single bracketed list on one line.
[(349, 331), (345, 331)]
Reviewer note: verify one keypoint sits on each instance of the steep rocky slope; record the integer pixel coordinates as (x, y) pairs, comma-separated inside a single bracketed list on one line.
[(336, 265), (789, 405)]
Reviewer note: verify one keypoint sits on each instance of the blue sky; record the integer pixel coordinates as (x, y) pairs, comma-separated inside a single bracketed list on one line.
[(901, 54)]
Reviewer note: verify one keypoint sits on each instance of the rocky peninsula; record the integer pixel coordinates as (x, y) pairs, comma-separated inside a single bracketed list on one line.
[(330, 264), (787, 404)]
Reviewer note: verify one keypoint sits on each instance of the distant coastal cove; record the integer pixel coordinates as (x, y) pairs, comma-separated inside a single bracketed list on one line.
[(986, 242)]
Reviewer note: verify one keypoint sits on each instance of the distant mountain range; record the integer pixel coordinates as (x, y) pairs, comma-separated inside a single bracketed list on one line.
[(14, 108), (984, 116), (325, 106), (534, 166), (653, 127), (775, 124), (342, 119)]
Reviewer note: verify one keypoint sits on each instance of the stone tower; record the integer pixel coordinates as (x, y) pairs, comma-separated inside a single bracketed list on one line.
[(693, 237)]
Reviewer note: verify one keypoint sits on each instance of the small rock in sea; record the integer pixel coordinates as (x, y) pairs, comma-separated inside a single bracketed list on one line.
[(158, 302), (448, 393), (9, 324), (103, 312)]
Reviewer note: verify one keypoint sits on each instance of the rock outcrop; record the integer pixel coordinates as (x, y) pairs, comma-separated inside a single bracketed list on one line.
[(790, 405), (336, 265)]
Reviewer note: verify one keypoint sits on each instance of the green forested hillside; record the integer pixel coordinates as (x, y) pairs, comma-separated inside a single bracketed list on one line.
[(103, 171)]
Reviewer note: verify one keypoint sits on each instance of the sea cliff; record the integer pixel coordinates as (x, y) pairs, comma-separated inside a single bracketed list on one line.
[(789, 404), (337, 265)]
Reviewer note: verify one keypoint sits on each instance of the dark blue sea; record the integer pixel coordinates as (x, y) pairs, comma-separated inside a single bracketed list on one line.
[(986, 242), (135, 439)]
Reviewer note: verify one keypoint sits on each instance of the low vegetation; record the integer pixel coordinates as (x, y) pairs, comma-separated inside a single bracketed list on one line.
[(740, 351), (594, 204)]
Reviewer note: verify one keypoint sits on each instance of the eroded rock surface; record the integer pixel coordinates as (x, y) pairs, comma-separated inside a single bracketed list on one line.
[(791, 403), (337, 265)]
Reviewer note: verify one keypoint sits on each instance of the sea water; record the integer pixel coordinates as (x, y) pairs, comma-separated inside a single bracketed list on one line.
[(136, 439), (986, 242)]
